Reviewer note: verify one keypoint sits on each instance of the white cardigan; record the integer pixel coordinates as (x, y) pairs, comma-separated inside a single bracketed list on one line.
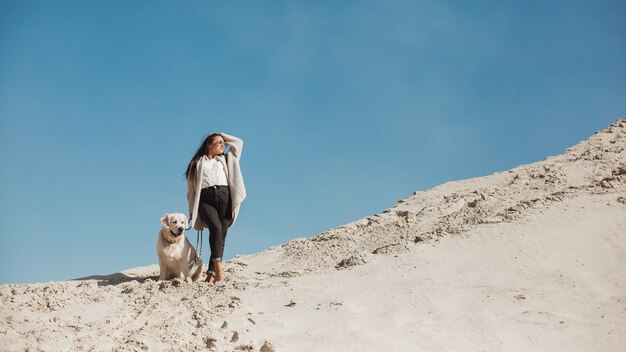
[(235, 181)]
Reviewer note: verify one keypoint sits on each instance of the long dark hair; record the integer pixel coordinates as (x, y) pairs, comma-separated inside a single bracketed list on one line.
[(202, 151)]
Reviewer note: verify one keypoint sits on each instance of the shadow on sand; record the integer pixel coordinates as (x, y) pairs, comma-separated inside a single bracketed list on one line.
[(117, 278)]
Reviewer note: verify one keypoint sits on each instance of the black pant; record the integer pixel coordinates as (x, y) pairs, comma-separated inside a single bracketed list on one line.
[(215, 210)]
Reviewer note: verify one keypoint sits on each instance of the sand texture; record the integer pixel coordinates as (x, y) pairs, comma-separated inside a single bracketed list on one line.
[(530, 259)]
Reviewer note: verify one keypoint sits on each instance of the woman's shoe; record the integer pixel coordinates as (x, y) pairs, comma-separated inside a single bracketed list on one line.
[(209, 278)]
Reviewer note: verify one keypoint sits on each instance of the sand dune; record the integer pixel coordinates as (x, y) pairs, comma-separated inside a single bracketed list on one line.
[(531, 259)]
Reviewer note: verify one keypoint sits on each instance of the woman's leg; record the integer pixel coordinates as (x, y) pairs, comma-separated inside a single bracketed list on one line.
[(214, 210), (225, 213), (210, 216), (225, 223)]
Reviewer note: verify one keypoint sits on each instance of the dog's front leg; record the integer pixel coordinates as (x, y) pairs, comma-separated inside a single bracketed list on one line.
[(162, 272)]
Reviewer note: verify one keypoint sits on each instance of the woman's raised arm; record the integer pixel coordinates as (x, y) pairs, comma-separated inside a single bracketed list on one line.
[(236, 144)]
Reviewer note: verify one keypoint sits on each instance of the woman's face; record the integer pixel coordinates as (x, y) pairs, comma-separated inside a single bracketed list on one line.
[(217, 146)]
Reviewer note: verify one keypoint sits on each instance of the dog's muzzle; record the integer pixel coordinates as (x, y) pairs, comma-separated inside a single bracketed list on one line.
[(179, 234)]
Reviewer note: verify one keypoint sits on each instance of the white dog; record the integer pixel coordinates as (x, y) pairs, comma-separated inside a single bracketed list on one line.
[(177, 257)]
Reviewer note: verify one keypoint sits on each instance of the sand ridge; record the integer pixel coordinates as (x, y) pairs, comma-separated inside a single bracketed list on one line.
[(530, 258)]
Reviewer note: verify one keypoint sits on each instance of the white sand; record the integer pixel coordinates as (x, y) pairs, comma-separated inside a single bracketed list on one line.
[(554, 283), (532, 259)]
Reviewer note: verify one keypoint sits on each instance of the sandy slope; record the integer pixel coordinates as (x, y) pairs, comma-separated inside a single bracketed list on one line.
[(529, 259), (553, 283)]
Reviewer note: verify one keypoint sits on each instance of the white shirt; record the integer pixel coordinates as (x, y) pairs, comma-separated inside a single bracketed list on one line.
[(213, 173)]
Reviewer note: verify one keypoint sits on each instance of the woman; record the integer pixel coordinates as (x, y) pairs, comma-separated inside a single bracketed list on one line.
[(215, 190)]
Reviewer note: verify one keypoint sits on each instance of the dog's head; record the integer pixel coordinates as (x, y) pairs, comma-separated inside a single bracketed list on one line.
[(176, 223)]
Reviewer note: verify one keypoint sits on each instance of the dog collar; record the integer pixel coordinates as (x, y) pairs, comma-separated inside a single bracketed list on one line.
[(170, 242)]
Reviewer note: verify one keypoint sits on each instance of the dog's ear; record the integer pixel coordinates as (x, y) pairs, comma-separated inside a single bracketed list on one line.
[(185, 220), (165, 220)]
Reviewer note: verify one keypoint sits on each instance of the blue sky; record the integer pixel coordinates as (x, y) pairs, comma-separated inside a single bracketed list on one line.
[(344, 106)]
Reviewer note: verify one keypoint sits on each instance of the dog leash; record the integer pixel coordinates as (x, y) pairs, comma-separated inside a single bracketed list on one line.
[(199, 243), (198, 240)]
